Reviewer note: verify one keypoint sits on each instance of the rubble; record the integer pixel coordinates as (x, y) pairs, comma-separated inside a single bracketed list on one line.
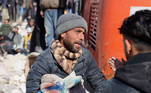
[(12, 73)]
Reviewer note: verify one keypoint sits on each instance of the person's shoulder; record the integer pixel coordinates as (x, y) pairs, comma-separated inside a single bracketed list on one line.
[(44, 57), (46, 53), (116, 86), (6, 25)]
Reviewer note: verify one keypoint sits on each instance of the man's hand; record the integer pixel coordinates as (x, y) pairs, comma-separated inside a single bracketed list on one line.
[(115, 63), (44, 88)]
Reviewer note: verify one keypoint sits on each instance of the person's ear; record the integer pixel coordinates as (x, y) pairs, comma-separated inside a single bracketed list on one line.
[(63, 35), (128, 44)]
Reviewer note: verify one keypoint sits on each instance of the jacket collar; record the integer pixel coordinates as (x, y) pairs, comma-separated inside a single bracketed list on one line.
[(140, 58)]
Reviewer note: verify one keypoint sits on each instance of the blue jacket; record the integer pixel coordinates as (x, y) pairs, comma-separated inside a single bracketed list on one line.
[(46, 64)]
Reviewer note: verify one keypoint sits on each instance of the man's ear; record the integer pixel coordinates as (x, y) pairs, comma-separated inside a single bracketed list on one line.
[(63, 35), (128, 44)]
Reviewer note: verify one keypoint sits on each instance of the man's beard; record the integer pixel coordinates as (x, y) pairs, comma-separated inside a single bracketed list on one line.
[(70, 46)]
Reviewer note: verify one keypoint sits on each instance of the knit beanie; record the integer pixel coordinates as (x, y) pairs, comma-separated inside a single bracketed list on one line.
[(69, 21)]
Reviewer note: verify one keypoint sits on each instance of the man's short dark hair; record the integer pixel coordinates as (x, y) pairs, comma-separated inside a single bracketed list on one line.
[(138, 28)]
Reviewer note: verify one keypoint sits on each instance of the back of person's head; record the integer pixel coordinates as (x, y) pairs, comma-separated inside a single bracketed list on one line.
[(138, 29)]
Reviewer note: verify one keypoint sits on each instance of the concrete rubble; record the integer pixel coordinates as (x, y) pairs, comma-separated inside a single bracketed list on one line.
[(12, 73)]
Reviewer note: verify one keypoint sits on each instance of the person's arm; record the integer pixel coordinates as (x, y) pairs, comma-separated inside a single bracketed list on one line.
[(34, 76), (94, 75)]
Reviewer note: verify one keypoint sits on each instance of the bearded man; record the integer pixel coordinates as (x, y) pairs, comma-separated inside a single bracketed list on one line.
[(66, 55)]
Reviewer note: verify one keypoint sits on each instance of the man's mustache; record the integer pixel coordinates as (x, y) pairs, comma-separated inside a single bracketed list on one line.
[(82, 43)]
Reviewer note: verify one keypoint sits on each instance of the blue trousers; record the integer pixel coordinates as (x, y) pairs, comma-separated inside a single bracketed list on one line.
[(50, 20)]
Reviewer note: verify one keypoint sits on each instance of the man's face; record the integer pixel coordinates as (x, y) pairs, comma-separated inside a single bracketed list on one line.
[(73, 39), (6, 21)]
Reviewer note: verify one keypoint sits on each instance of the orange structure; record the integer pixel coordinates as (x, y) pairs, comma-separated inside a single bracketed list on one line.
[(104, 18)]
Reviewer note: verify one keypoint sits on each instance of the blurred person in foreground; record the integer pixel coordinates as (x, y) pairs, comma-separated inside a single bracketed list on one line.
[(135, 75), (65, 56)]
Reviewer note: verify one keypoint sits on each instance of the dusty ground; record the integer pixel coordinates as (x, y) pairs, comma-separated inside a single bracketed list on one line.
[(12, 73)]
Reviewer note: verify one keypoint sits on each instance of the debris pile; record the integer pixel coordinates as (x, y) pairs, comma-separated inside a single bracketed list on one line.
[(12, 73)]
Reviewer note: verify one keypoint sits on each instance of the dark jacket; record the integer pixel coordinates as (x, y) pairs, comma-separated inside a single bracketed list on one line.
[(86, 67), (5, 29), (134, 77), (38, 34)]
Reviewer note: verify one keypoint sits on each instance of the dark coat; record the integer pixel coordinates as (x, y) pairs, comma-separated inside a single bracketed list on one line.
[(38, 34), (134, 77), (5, 29), (85, 67)]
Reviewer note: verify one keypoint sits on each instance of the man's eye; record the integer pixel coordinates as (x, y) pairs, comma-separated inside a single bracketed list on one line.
[(78, 31)]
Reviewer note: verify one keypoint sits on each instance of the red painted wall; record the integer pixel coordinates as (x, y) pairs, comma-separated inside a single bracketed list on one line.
[(109, 41)]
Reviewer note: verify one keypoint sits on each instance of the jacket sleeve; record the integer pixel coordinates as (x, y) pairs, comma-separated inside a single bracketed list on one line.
[(39, 68), (116, 86), (94, 75)]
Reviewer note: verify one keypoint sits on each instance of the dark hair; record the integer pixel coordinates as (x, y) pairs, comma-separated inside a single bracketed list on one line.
[(138, 27), (59, 37)]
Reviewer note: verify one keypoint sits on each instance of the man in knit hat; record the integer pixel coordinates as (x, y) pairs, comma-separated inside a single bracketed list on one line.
[(66, 55)]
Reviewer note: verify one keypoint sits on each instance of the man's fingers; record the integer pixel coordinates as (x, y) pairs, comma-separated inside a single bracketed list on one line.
[(112, 64), (46, 85)]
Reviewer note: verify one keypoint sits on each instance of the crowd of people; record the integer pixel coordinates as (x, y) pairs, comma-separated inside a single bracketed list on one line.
[(64, 64), (15, 39), (29, 25), (66, 56)]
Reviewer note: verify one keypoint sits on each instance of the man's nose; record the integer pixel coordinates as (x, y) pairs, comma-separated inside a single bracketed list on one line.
[(81, 36)]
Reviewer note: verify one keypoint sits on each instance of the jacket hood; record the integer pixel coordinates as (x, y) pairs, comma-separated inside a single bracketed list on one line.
[(137, 72)]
